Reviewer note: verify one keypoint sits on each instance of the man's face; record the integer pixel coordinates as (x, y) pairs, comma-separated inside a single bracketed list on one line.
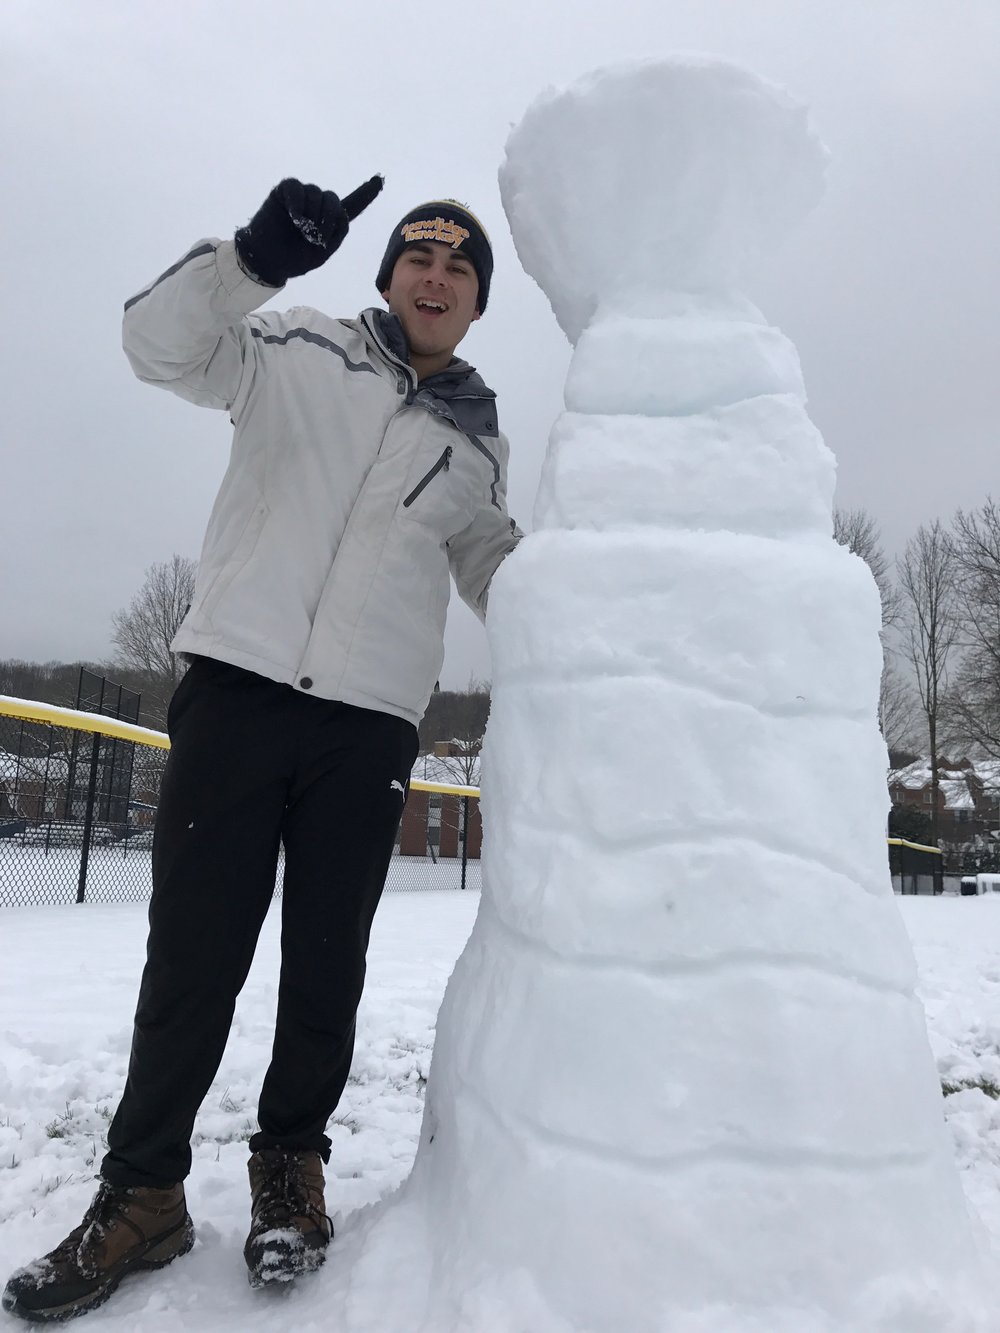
[(433, 290)]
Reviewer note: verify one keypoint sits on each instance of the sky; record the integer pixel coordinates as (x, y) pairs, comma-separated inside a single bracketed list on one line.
[(132, 131)]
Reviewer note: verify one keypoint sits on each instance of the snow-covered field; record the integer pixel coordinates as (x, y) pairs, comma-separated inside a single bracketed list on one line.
[(32, 876), (67, 986)]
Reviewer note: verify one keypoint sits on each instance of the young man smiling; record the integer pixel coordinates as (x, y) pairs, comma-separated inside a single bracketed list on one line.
[(433, 290), (366, 463)]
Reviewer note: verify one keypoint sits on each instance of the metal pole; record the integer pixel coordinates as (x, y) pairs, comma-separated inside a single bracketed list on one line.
[(45, 776), (465, 837), (45, 790), (74, 750), (88, 819), (71, 775), (17, 766)]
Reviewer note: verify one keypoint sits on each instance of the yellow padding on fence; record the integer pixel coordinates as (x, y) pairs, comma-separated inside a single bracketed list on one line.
[(916, 846), (76, 720), (445, 788)]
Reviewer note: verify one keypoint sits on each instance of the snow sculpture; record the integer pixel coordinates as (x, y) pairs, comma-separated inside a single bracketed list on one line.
[(681, 1081)]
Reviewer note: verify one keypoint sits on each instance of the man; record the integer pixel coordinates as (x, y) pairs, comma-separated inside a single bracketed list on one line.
[(366, 461)]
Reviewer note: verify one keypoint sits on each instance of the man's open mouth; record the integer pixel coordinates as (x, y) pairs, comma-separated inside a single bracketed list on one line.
[(431, 307)]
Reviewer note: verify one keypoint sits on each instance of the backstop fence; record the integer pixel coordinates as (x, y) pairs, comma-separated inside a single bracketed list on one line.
[(78, 798), (916, 868)]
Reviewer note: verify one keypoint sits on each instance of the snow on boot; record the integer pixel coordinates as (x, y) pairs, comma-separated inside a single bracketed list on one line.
[(124, 1230), (289, 1228)]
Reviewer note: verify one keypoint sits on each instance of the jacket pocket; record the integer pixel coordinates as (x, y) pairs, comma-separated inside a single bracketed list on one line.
[(443, 464)]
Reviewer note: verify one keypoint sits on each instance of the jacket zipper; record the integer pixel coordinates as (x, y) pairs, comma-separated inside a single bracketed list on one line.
[(404, 373), (443, 462)]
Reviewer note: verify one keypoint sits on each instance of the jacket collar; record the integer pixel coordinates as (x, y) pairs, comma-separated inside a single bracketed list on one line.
[(458, 392)]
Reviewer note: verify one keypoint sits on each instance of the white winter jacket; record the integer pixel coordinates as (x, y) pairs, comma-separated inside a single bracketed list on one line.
[(349, 492)]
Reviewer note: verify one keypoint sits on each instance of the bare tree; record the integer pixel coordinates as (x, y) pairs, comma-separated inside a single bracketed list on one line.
[(974, 703), (897, 708), (858, 531), (144, 631), (927, 579), (456, 715), (462, 764)]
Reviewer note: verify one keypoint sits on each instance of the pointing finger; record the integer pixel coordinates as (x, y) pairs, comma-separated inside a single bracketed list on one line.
[(358, 200)]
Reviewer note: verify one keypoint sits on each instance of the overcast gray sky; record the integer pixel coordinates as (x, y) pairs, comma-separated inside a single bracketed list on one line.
[(132, 129)]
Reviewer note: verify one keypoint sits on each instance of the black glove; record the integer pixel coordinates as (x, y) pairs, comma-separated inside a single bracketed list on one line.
[(297, 228)]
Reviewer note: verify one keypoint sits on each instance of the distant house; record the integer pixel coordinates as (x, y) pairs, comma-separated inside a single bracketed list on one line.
[(44, 787), (968, 805), (31, 787), (433, 821), (8, 785)]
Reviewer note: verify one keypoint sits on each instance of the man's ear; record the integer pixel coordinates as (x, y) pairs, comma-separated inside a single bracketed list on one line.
[(385, 296), (478, 314)]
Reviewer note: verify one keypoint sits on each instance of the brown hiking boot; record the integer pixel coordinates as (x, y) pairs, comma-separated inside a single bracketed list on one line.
[(125, 1229), (289, 1228)]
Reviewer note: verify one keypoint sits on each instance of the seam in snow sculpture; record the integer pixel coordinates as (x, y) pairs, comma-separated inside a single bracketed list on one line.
[(681, 1080)]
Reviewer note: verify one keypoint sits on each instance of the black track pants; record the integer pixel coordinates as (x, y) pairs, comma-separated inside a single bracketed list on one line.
[(252, 765)]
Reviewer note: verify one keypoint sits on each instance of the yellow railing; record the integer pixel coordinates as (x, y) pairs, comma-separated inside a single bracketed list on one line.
[(916, 846), (55, 716), (77, 721)]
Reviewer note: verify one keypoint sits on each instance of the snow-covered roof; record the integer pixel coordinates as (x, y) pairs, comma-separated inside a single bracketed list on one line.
[(27, 768), (956, 794), (956, 782), (458, 769), (913, 777)]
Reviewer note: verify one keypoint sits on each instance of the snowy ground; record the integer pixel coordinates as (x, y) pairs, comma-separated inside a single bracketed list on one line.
[(32, 876), (67, 986)]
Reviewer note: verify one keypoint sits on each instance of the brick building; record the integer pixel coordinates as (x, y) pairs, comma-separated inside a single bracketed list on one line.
[(433, 821), (968, 806)]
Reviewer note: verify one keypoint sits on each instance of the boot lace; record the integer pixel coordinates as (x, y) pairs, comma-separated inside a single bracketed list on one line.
[(78, 1246), (284, 1194)]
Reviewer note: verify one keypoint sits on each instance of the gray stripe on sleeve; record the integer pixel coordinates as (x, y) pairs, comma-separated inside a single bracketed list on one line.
[(496, 467), (192, 254), (307, 335)]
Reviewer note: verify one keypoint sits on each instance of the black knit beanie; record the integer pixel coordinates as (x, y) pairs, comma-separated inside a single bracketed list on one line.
[(450, 223)]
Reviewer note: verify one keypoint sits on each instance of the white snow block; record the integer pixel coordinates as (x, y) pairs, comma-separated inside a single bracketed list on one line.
[(776, 1074), (714, 361), (747, 620), (634, 188), (754, 466)]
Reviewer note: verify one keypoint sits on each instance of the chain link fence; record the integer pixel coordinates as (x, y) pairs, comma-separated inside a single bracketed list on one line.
[(915, 868), (77, 810)]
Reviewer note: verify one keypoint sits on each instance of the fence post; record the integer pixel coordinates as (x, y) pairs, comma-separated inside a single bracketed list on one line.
[(20, 761), (88, 819), (465, 837)]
